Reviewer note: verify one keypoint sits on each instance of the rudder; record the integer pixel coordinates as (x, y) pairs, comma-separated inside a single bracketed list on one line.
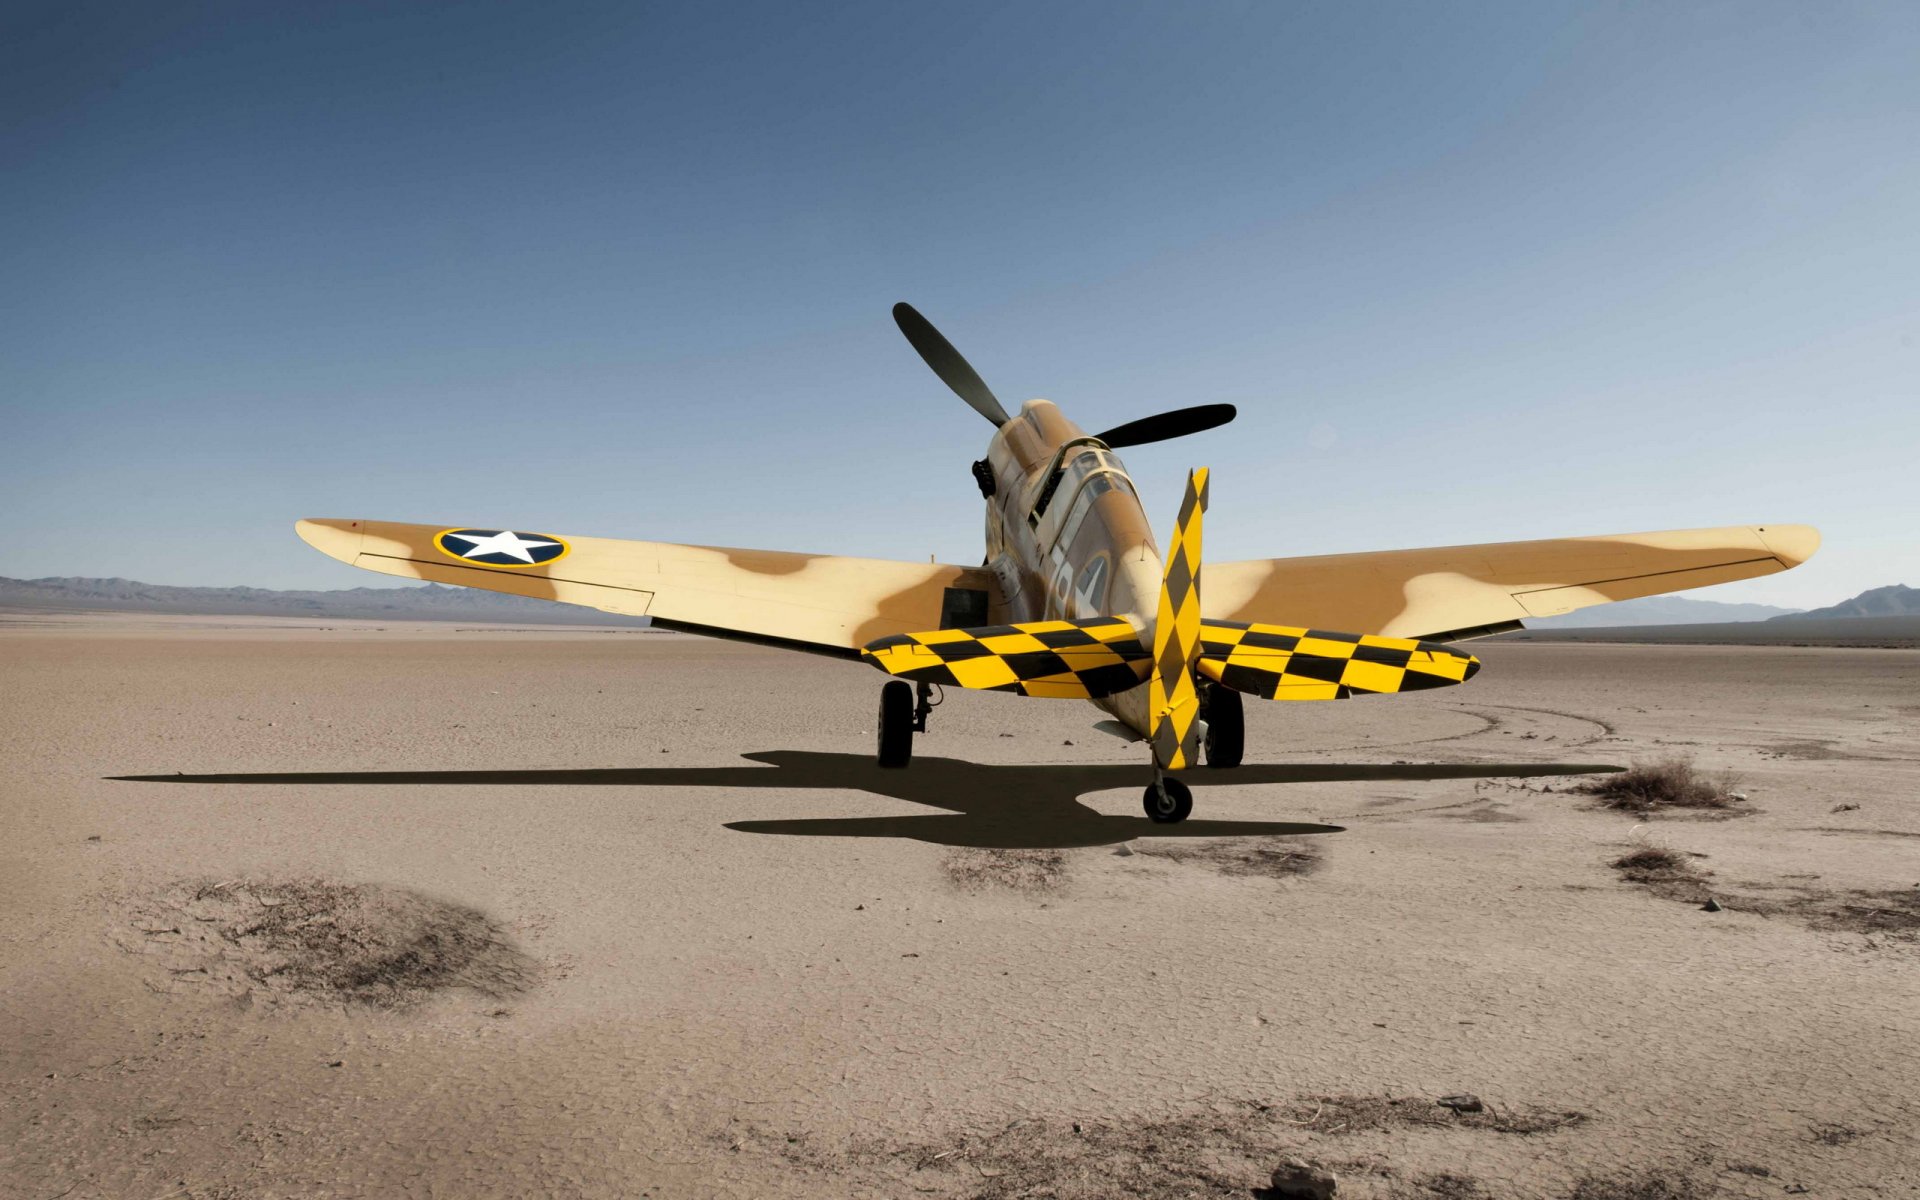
[(1172, 697)]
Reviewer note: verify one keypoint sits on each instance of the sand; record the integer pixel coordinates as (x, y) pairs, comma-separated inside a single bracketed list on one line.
[(614, 913)]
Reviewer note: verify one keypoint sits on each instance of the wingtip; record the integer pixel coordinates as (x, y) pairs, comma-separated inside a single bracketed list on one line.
[(1791, 544), (332, 536)]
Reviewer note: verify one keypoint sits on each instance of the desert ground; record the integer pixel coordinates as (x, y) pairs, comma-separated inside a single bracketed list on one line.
[(431, 911)]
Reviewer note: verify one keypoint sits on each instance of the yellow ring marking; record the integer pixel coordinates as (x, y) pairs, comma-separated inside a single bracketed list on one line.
[(440, 544)]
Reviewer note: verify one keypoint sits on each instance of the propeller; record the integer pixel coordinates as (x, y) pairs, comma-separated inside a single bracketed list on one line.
[(954, 371), (1161, 426), (946, 362)]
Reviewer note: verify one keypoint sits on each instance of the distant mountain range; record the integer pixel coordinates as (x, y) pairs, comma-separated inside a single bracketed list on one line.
[(1661, 610), (1884, 617), (1894, 600), (431, 602)]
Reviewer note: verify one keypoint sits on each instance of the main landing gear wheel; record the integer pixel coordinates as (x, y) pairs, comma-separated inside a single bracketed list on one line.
[(1226, 726), (896, 724), (1168, 801)]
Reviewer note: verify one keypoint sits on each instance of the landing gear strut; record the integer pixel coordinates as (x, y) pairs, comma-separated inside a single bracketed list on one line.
[(903, 713), (1167, 800), (1226, 739)]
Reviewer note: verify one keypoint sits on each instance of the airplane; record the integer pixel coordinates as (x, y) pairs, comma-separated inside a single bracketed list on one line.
[(1075, 599)]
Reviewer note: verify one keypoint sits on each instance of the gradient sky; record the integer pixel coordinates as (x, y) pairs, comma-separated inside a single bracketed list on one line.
[(1471, 272)]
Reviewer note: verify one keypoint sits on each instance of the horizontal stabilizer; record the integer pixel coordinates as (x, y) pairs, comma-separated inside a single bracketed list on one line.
[(1072, 660), (1279, 662)]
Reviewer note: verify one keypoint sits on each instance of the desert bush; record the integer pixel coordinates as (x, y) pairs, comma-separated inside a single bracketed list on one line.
[(1668, 873), (1638, 1185), (1347, 1114), (1651, 864), (1664, 783)]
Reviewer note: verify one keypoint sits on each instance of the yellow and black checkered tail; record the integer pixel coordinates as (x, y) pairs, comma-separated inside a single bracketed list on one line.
[(1072, 660), (1283, 662), (1172, 698)]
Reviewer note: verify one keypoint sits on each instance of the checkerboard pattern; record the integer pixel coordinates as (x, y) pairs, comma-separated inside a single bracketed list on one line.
[(1069, 660), (1171, 698), (1283, 663)]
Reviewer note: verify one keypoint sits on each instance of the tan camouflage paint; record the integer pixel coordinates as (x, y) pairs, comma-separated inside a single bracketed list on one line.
[(836, 605)]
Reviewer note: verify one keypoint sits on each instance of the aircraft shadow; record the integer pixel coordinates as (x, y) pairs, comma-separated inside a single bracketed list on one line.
[(999, 806)]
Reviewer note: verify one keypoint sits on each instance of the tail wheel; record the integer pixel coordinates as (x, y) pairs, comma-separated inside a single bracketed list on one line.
[(896, 724), (1226, 727), (1168, 801)]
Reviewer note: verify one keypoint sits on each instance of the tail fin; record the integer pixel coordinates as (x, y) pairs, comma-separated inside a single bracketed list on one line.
[(1176, 637)]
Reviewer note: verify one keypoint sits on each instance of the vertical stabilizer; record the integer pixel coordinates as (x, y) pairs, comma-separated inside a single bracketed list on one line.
[(1176, 637)]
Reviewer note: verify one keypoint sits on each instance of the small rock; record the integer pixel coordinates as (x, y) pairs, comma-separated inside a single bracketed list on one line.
[(1124, 851), (1068, 742), (1736, 795), (1294, 1179), (1711, 905), (93, 837), (859, 908), (1839, 808), (1462, 1102)]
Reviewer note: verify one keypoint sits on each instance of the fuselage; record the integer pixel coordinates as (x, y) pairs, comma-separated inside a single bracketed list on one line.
[(1066, 533)]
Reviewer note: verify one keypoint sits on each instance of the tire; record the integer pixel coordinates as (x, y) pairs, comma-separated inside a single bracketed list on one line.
[(1168, 802), (1226, 727), (895, 740)]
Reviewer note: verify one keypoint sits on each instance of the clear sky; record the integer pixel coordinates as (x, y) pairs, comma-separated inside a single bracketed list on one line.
[(1472, 272)]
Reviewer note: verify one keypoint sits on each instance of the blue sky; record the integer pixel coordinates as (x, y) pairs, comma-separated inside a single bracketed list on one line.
[(1471, 272)]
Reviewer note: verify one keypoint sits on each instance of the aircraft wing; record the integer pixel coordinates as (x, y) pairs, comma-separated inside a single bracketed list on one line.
[(1458, 592), (811, 602)]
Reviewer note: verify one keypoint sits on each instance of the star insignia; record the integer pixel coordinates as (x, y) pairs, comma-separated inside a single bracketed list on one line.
[(500, 547)]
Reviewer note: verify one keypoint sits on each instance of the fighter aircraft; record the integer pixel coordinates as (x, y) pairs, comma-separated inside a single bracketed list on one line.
[(1075, 599)]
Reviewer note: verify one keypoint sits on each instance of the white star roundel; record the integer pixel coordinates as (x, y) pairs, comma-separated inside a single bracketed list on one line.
[(500, 547)]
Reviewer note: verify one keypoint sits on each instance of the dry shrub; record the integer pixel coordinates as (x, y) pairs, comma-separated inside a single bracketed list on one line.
[(1674, 875), (1226, 1149), (1273, 857), (1891, 914), (365, 944), (1666, 872), (1896, 913), (1666, 783), (1346, 1114), (1225, 1152), (1638, 1185), (978, 870)]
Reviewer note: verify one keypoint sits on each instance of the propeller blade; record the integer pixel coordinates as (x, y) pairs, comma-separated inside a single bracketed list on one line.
[(1161, 426), (946, 362)]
